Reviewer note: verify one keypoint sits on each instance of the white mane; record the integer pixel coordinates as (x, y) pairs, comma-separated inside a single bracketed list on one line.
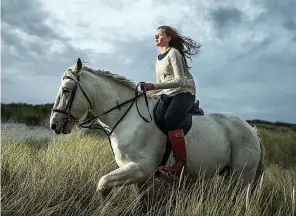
[(116, 77)]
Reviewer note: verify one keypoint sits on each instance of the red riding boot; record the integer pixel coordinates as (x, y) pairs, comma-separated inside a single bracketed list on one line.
[(177, 140)]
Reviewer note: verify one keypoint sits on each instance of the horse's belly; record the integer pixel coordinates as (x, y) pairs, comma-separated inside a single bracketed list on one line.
[(207, 147)]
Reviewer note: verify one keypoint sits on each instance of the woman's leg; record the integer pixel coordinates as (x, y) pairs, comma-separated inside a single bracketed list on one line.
[(178, 108)]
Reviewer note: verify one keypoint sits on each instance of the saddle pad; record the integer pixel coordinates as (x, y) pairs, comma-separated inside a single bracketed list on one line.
[(185, 122)]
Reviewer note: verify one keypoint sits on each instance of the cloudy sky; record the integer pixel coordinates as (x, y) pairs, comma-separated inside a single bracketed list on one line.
[(247, 63)]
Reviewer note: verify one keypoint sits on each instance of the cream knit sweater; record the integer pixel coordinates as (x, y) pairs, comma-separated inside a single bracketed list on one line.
[(171, 75)]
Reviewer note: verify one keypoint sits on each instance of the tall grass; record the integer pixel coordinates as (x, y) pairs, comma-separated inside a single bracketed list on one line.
[(59, 177)]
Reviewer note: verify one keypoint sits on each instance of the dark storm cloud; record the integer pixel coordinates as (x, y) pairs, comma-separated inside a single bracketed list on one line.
[(252, 78), (290, 25), (285, 8), (27, 55), (15, 49), (266, 85), (224, 17), (27, 16), (27, 41), (279, 13), (35, 58)]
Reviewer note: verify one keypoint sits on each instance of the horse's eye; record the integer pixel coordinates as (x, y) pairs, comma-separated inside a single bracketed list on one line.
[(65, 90)]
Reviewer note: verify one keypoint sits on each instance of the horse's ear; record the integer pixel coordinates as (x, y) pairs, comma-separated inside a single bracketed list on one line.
[(79, 64)]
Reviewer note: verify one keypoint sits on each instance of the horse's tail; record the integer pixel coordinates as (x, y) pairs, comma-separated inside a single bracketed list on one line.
[(261, 165)]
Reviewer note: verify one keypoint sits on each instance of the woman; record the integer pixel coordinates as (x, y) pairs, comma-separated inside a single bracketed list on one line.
[(174, 80)]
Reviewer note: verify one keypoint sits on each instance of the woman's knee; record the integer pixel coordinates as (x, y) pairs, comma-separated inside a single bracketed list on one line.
[(170, 121), (168, 118)]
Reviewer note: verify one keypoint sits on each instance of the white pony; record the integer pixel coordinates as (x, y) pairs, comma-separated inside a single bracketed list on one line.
[(215, 141)]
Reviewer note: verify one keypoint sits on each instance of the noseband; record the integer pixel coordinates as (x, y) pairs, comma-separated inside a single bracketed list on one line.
[(67, 110)]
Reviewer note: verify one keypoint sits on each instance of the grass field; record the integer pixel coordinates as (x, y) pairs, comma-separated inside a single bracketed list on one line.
[(59, 177)]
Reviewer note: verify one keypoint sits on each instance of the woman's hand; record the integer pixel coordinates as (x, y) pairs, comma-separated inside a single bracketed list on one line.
[(147, 87)]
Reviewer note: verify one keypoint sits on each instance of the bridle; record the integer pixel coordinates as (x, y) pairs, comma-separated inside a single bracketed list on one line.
[(89, 123), (67, 110)]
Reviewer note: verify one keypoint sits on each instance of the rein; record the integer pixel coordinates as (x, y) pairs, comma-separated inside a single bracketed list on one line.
[(132, 100), (89, 123)]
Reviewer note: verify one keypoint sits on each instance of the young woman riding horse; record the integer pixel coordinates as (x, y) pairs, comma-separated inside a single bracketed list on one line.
[(174, 80)]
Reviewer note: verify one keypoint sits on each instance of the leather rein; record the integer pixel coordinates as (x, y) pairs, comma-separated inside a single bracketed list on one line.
[(89, 123)]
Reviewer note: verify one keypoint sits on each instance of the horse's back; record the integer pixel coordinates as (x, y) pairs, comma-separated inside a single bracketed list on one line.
[(230, 124), (240, 132)]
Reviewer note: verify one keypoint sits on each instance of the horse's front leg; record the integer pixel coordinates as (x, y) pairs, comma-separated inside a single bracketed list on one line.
[(127, 174)]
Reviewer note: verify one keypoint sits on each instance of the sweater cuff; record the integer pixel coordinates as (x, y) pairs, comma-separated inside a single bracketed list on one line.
[(158, 86), (167, 85)]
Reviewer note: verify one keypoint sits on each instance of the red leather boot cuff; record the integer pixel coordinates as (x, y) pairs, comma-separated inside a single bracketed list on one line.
[(178, 143)]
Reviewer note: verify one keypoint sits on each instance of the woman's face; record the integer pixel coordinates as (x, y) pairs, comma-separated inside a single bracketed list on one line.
[(161, 38)]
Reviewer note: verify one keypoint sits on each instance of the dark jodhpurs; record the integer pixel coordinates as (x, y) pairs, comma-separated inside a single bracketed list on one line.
[(175, 109)]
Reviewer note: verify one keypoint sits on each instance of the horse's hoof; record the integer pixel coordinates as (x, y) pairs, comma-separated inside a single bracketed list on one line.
[(104, 193)]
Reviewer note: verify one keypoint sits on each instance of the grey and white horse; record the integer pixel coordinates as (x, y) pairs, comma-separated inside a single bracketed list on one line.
[(214, 142)]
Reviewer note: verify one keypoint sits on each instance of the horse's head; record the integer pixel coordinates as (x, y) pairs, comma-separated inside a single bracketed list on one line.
[(72, 102)]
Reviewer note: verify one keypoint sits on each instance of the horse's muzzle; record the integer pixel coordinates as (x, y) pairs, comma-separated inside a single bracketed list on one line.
[(53, 126)]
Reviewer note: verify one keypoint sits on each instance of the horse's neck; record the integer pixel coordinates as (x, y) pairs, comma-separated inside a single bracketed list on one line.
[(108, 94), (132, 129)]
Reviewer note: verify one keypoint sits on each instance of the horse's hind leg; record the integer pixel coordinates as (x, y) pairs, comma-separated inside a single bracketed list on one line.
[(245, 151), (244, 166), (243, 174)]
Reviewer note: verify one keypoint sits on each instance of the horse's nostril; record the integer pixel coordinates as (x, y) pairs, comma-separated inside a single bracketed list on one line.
[(53, 127)]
